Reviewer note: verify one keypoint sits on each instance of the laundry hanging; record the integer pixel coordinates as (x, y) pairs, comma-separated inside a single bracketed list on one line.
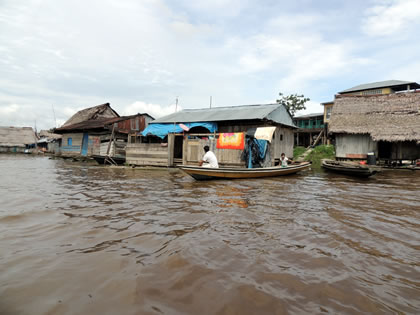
[(231, 140), (264, 133)]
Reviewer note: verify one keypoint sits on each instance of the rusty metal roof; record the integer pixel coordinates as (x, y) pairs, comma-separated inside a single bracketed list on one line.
[(96, 124)]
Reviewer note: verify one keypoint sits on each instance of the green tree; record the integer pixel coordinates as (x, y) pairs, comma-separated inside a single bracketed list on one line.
[(293, 102)]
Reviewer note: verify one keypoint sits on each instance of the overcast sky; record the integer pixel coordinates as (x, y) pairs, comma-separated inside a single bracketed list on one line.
[(57, 57)]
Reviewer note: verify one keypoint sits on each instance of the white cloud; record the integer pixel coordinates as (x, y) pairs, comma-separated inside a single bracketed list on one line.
[(312, 107), (154, 110), (9, 109), (74, 56), (392, 17)]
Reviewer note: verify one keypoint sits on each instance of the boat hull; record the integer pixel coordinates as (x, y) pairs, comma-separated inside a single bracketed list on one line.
[(101, 159), (204, 173), (347, 169)]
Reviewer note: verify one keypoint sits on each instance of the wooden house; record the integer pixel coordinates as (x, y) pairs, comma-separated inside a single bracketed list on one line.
[(311, 129), (49, 142), (17, 139), (387, 125), (375, 88), (98, 131), (179, 138)]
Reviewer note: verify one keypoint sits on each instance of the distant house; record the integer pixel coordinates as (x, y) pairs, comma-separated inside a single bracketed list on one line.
[(380, 88), (386, 124), (89, 132), (179, 138), (49, 142), (310, 127), (17, 139)]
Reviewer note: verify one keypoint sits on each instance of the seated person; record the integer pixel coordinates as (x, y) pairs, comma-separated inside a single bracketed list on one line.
[(209, 158), (283, 160)]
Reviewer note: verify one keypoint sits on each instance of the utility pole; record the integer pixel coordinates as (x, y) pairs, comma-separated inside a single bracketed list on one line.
[(176, 104), (55, 120), (210, 100)]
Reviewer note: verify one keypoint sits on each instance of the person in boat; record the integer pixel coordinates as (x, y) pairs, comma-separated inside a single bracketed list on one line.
[(209, 159), (283, 160)]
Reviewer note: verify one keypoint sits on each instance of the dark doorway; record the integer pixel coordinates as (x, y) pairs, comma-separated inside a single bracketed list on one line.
[(384, 150), (179, 140)]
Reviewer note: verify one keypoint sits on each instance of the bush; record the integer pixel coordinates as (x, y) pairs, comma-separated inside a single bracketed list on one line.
[(321, 152), (298, 151)]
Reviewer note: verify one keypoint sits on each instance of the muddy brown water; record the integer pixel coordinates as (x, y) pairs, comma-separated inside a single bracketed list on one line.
[(85, 239)]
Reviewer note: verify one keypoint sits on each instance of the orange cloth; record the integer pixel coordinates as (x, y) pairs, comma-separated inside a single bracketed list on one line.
[(231, 141)]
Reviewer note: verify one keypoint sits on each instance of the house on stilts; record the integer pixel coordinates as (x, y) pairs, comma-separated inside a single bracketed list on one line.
[(384, 125), (17, 139), (179, 138), (100, 132)]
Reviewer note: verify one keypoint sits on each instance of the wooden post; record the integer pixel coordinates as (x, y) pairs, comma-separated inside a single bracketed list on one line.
[(171, 147), (185, 150)]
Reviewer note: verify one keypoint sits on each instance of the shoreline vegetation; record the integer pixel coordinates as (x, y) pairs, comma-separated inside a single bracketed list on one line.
[(316, 155)]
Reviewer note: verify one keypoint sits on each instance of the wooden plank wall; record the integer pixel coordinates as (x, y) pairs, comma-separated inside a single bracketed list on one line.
[(146, 154), (75, 148), (194, 152)]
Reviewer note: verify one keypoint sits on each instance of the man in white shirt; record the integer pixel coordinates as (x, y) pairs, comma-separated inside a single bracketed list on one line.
[(209, 159)]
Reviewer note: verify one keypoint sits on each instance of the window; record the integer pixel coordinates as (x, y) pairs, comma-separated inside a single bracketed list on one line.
[(328, 114), (69, 141), (372, 92), (281, 137)]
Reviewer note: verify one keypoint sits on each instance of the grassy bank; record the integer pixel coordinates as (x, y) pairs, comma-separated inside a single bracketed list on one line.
[(320, 152)]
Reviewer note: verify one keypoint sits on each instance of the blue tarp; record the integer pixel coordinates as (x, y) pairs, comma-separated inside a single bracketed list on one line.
[(161, 130)]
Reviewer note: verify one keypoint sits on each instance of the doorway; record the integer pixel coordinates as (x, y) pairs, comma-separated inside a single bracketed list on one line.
[(85, 144), (178, 149)]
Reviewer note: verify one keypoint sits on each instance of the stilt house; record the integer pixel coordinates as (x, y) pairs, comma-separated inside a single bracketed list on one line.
[(387, 125), (179, 138), (311, 130), (17, 139), (98, 131)]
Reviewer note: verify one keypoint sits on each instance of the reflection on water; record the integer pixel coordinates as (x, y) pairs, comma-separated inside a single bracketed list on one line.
[(83, 239)]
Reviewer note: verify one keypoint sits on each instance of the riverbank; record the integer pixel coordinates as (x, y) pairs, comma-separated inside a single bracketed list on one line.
[(316, 155)]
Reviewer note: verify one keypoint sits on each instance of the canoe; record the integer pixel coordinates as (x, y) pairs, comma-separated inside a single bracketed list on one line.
[(101, 159), (347, 168), (205, 173)]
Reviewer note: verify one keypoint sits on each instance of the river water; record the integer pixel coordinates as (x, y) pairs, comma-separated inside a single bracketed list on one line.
[(85, 239)]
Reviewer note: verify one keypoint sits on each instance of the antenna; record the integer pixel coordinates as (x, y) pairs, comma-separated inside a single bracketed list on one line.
[(176, 104), (55, 120), (210, 100)]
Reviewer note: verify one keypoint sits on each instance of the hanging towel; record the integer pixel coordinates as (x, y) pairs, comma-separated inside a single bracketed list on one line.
[(231, 141), (265, 133)]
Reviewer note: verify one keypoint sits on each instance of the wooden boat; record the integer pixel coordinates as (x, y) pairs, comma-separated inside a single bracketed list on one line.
[(101, 159), (205, 173), (347, 168)]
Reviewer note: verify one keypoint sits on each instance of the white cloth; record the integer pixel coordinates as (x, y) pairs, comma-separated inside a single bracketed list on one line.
[(210, 158), (264, 133), (284, 162)]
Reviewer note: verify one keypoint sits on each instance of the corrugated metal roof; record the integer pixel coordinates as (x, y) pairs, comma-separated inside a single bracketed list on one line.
[(381, 84), (308, 116), (275, 112)]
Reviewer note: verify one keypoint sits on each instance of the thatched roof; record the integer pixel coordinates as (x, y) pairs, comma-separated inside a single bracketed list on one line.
[(98, 112), (390, 117), (17, 136), (49, 135)]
